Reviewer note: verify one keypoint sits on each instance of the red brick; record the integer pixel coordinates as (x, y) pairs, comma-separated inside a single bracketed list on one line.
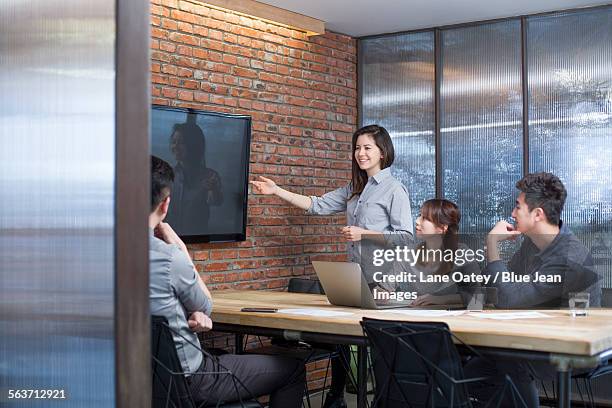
[(200, 53), (212, 45), (230, 38), (245, 104), (169, 24), (158, 33), (184, 50), (230, 59), (185, 27), (215, 56), (167, 46), (230, 80), (182, 72), (216, 266), (201, 96), (159, 79), (224, 254), (185, 95), (157, 10), (201, 31), (243, 62), (160, 56), (244, 72), (247, 83), (169, 93), (185, 16), (200, 255), (184, 38), (170, 3), (169, 69), (189, 84), (215, 34)]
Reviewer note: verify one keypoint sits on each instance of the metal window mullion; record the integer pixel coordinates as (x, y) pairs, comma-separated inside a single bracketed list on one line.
[(437, 135), (525, 92)]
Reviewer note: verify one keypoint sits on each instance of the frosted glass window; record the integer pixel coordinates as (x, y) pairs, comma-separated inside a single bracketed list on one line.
[(398, 90), (568, 57), (481, 120), (570, 118)]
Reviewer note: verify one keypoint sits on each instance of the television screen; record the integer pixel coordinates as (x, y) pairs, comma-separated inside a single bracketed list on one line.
[(209, 153)]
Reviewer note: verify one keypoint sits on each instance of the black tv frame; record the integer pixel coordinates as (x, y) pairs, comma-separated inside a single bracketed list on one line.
[(212, 238)]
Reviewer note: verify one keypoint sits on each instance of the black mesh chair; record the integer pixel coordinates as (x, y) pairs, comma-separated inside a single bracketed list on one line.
[(418, 365), (170, 388), (587, 382), (605, 368)]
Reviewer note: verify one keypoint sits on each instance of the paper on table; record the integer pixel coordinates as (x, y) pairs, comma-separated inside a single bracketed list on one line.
[(425, 312), (510, 315), (315, 312)]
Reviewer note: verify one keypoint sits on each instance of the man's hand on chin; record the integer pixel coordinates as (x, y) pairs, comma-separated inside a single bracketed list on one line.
[(199, 322), (502, 231), (165, 232)]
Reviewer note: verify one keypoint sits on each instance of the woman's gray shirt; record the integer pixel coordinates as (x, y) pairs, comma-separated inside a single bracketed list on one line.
[(383, 206)]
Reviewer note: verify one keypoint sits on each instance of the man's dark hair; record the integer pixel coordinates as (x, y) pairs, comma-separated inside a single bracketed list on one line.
[(546, 191), (162, 177)]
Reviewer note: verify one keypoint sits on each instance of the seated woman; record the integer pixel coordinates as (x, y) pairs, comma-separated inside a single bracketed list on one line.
[(437, 228)]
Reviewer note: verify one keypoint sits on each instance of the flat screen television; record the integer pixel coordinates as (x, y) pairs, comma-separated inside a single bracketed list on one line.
[(209, 153)]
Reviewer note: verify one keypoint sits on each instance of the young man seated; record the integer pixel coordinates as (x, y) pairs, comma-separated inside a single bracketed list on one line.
[(178, 293), (555, 261), (550, 263)]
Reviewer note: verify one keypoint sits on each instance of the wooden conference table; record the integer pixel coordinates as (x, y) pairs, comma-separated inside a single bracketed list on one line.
[(565, 342)]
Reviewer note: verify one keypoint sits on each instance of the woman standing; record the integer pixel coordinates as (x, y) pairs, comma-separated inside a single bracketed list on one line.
[(375, 202), (376, 205)]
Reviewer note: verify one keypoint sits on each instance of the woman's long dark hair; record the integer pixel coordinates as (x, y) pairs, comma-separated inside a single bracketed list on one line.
[(383, 141), (442, 213), (193, 138)]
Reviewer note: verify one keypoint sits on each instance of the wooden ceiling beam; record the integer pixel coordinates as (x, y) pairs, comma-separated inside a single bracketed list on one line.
[(252, 8)]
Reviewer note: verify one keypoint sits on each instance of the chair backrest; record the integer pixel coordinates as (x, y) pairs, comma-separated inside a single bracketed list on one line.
[(170, 388), (303, 285), (606, 297), (415, 364)]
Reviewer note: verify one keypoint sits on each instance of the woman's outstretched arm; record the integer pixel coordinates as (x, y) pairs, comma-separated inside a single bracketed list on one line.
[(268, 187)]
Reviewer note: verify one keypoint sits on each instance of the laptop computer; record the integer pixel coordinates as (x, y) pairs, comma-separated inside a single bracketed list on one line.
[(344, 285)]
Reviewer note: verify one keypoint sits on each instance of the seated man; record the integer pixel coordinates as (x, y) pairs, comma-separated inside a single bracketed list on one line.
[(178, 293), (555, 262)]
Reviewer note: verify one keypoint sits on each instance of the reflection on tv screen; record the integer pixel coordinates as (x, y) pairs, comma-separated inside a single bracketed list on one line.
[(209, 153)]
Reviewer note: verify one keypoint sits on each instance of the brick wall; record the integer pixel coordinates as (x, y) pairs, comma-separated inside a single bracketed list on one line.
[(300, 92)]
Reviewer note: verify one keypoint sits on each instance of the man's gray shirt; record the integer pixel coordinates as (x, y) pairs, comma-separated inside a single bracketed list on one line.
[(382, 206), (175, 293), (565, 256)]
